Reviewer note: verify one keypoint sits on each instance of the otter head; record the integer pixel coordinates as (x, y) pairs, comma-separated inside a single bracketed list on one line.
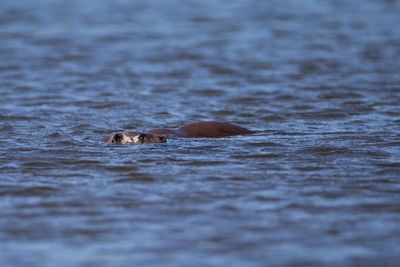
[(135, 138)]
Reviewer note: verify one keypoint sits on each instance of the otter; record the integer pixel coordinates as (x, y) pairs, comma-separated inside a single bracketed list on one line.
[(196, 130), (135, 138)]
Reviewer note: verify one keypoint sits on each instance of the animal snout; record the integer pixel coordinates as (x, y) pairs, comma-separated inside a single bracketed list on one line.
[(117, 138)]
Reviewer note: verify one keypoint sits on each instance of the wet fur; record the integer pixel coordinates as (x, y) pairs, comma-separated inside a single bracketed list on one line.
[(196, 130)]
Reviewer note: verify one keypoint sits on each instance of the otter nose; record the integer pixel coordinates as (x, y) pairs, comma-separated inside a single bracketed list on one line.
[(163, 139), (117, 138)]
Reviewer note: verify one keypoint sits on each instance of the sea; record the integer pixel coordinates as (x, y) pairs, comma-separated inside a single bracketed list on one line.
[(318, 184)]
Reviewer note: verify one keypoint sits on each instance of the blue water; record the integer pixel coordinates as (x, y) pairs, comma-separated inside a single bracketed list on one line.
[(318, 185)]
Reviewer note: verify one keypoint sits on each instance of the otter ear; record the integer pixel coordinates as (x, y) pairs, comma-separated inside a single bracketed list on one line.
[(142, 138), (117, 138)]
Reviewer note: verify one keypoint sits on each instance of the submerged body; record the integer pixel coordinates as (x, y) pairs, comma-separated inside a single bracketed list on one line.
[(203, 129), (195, 130)]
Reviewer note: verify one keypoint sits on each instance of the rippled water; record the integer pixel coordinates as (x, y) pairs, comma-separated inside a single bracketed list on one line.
[(317, 186)]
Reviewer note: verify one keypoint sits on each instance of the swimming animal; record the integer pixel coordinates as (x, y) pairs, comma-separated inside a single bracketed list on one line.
[(196, 130)]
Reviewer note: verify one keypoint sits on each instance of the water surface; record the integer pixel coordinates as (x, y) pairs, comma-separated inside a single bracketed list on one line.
[(317, 186)]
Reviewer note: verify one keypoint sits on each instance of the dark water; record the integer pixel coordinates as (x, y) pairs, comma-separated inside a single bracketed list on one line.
[(318, 186)]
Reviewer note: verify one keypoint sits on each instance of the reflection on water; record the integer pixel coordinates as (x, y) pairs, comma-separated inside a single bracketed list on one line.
[(317, 185)]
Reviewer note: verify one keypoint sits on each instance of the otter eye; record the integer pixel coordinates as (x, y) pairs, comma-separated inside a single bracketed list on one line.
[(117, 138), (142, 137)]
